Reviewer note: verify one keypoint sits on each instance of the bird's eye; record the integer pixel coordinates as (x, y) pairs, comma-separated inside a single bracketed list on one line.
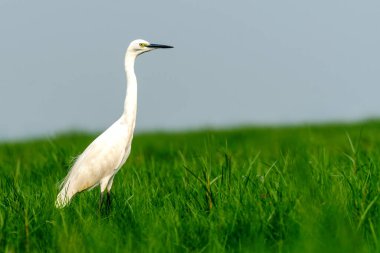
[(142, 44)]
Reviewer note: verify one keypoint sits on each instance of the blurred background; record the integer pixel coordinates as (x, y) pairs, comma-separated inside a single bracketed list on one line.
[(234, 63)]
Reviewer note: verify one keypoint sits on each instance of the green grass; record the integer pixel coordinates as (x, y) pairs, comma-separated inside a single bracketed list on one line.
[(288, 189)]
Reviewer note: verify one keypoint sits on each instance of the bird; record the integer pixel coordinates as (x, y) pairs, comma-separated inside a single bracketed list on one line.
[(103, 158)]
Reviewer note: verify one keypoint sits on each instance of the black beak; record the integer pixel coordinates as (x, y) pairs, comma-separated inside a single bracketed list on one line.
[(158, 46)]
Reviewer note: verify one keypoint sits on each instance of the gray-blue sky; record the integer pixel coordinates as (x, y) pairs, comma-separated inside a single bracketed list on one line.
[(234, 62)]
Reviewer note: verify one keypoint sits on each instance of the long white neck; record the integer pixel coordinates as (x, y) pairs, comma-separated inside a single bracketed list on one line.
[(130, 104)]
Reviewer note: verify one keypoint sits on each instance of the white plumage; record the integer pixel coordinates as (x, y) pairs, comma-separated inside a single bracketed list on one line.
[(103, 158)]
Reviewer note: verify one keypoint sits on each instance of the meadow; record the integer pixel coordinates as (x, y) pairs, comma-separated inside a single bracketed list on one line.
[(311, 188)]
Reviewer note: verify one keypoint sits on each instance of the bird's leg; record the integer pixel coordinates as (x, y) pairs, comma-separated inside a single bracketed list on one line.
[(109, 185), (101, 200), (108, 203)]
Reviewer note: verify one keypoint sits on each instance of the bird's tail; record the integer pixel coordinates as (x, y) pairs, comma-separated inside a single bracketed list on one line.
[(65, 194)]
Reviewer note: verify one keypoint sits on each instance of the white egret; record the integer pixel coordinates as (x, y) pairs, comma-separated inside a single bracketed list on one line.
[(103, 158)]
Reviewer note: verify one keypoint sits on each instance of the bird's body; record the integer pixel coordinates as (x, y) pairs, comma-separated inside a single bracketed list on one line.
[(103, 158), (99, 163)]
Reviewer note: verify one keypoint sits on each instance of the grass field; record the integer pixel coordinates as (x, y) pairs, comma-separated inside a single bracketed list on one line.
[(285, 189)]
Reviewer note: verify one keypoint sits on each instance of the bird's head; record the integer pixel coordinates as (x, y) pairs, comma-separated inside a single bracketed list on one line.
[(138, 47)]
